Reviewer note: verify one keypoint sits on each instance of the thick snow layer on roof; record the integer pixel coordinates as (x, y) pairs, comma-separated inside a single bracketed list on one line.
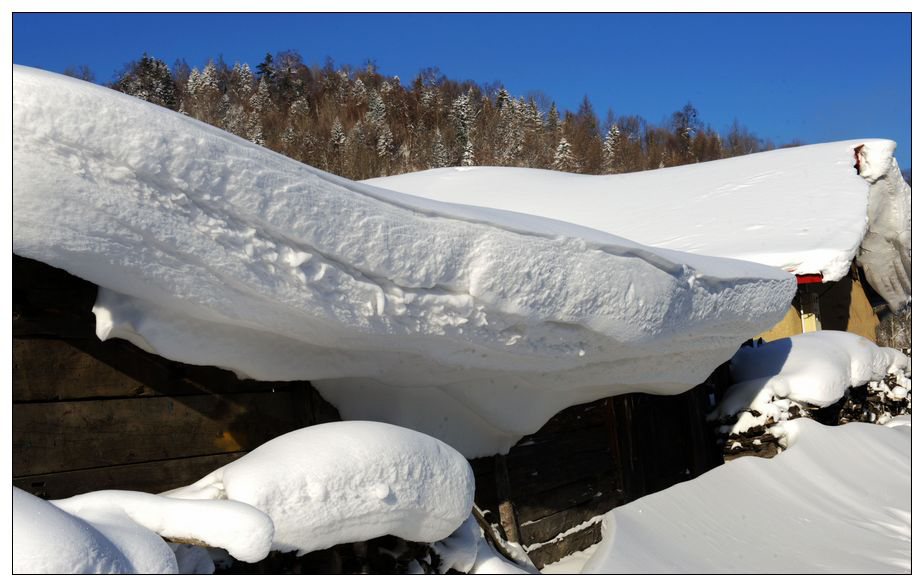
[(812, 369), (802, 209), (838, 500), (121, 532), (470, 324), (347, 482)]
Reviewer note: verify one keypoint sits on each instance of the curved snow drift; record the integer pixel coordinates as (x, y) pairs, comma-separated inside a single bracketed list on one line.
[(802, 209), (472, 325), (838, 500)]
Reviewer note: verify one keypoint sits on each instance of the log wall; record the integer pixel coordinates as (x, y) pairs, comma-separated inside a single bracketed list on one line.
[(91, 415)]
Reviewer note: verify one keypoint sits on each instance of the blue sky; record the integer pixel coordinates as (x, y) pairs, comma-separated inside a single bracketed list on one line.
[(813, 77)]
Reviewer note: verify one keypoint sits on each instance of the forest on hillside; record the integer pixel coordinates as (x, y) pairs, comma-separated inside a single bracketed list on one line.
[(358, 123)]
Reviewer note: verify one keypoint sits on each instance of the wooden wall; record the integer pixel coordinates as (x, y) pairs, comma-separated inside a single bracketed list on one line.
[(91, 415), (589, 459)]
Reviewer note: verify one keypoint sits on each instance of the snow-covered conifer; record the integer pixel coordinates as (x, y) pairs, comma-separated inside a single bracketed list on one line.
[(611, 146), (463, 116), (564, 159), (261, 101), (502, 99), (439, 157), (337, 136), (375, 116), (359, 91), (552, 120), (385, 142), (255, 129)]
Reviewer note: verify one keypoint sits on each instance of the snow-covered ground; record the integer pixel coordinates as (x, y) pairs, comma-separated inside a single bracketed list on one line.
[(838, 500), (806, 210), (471, 324)]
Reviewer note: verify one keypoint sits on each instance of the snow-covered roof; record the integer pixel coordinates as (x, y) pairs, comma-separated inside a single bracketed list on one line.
[(802, 209), (473, 325)]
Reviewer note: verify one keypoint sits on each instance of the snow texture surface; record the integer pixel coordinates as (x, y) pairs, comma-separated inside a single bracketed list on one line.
[(347, 482), (124, 531), (470, 324), (802, 209), (838, 500), (812, 369)]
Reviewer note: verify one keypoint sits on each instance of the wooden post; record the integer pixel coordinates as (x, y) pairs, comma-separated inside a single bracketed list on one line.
[(505, 510)]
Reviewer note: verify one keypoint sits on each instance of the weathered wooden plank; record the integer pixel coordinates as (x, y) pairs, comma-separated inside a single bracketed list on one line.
[(546, 475), (151, 477), (29, 321), (61, 436), (47, 369), (535, 506), (573, 418), (52, 369), (555, 551), (505, 510), (549, 527), (558, 446)]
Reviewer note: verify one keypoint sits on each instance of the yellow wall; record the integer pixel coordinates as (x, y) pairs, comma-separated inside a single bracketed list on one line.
[(842, 306)]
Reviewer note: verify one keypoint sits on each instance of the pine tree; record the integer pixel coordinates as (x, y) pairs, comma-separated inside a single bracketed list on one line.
[(148, 79), (376, 113), (463, 116), (553, 119), (265, 69), (611, 149), (502, 98), (337, 136), (261, 101), (235, 121), (255, 129), (241, 82), (439, 157), (564, 159), (359, 91), (384, 143)]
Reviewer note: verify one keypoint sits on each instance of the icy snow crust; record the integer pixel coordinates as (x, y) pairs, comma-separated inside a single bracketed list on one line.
[(469, 324), (347, 482), (838, 500), (802, 209)]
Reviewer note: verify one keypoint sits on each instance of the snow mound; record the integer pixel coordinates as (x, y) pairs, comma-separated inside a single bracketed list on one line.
[(472, 325), (812, 369), (346, 482), (48, 540), (124, 531), (802, 209), (838, 500)]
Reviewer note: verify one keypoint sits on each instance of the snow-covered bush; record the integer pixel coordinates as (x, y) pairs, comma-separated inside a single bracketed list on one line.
[(830, 376)]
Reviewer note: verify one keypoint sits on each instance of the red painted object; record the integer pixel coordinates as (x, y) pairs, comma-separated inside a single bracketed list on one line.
[(811, 278)]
